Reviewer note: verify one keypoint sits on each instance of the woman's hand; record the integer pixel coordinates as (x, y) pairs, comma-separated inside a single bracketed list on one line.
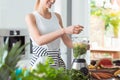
[(76, 29)]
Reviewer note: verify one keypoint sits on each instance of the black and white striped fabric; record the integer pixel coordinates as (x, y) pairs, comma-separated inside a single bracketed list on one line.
[(55, 55), (40, 54)]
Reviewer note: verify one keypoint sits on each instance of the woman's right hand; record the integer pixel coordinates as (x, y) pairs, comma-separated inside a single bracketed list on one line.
[(75, 29)]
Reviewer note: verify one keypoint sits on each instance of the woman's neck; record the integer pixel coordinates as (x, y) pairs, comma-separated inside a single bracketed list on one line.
[(45, 13)]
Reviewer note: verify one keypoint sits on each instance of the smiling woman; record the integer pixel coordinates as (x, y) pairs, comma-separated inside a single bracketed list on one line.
[(46, 30)]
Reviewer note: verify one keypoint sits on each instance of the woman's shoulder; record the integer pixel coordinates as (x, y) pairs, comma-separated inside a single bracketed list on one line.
[(58, 15), (30, 17)]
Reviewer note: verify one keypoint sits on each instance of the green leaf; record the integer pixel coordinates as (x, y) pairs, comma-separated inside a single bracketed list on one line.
[(3, 53), (10, 61)]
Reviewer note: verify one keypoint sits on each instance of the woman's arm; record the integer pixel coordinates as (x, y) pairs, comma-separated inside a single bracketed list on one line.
[(37, 36), (66, 39), (47, 38)]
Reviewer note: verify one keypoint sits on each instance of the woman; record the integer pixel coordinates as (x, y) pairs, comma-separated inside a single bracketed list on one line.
[(45, 30)]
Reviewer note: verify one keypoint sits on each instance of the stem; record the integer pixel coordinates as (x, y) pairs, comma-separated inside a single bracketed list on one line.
[(10, 69)]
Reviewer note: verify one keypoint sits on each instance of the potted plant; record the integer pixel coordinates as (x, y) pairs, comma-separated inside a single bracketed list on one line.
[(9, 59)]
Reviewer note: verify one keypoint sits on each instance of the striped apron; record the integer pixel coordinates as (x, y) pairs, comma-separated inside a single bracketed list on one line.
[(40, 54)]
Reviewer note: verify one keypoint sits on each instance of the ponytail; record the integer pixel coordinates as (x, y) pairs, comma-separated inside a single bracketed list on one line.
[(36, 4)]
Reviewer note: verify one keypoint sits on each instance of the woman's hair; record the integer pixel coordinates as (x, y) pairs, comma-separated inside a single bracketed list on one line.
[(37, 3)]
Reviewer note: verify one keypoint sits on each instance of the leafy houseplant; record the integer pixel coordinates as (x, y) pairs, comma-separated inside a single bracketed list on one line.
[(9, 59)]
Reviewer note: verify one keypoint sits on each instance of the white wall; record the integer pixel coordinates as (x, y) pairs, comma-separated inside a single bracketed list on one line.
[(81, 15), (12, 13)]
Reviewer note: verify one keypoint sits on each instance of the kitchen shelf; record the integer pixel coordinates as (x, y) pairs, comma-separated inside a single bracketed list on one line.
[(111, 49), (100, 52)]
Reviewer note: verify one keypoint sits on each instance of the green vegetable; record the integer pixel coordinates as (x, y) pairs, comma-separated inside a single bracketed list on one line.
[(46, 72), (79, 49)]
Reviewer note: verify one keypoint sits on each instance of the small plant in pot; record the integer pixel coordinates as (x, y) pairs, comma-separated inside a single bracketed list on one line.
[(9, 59)]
